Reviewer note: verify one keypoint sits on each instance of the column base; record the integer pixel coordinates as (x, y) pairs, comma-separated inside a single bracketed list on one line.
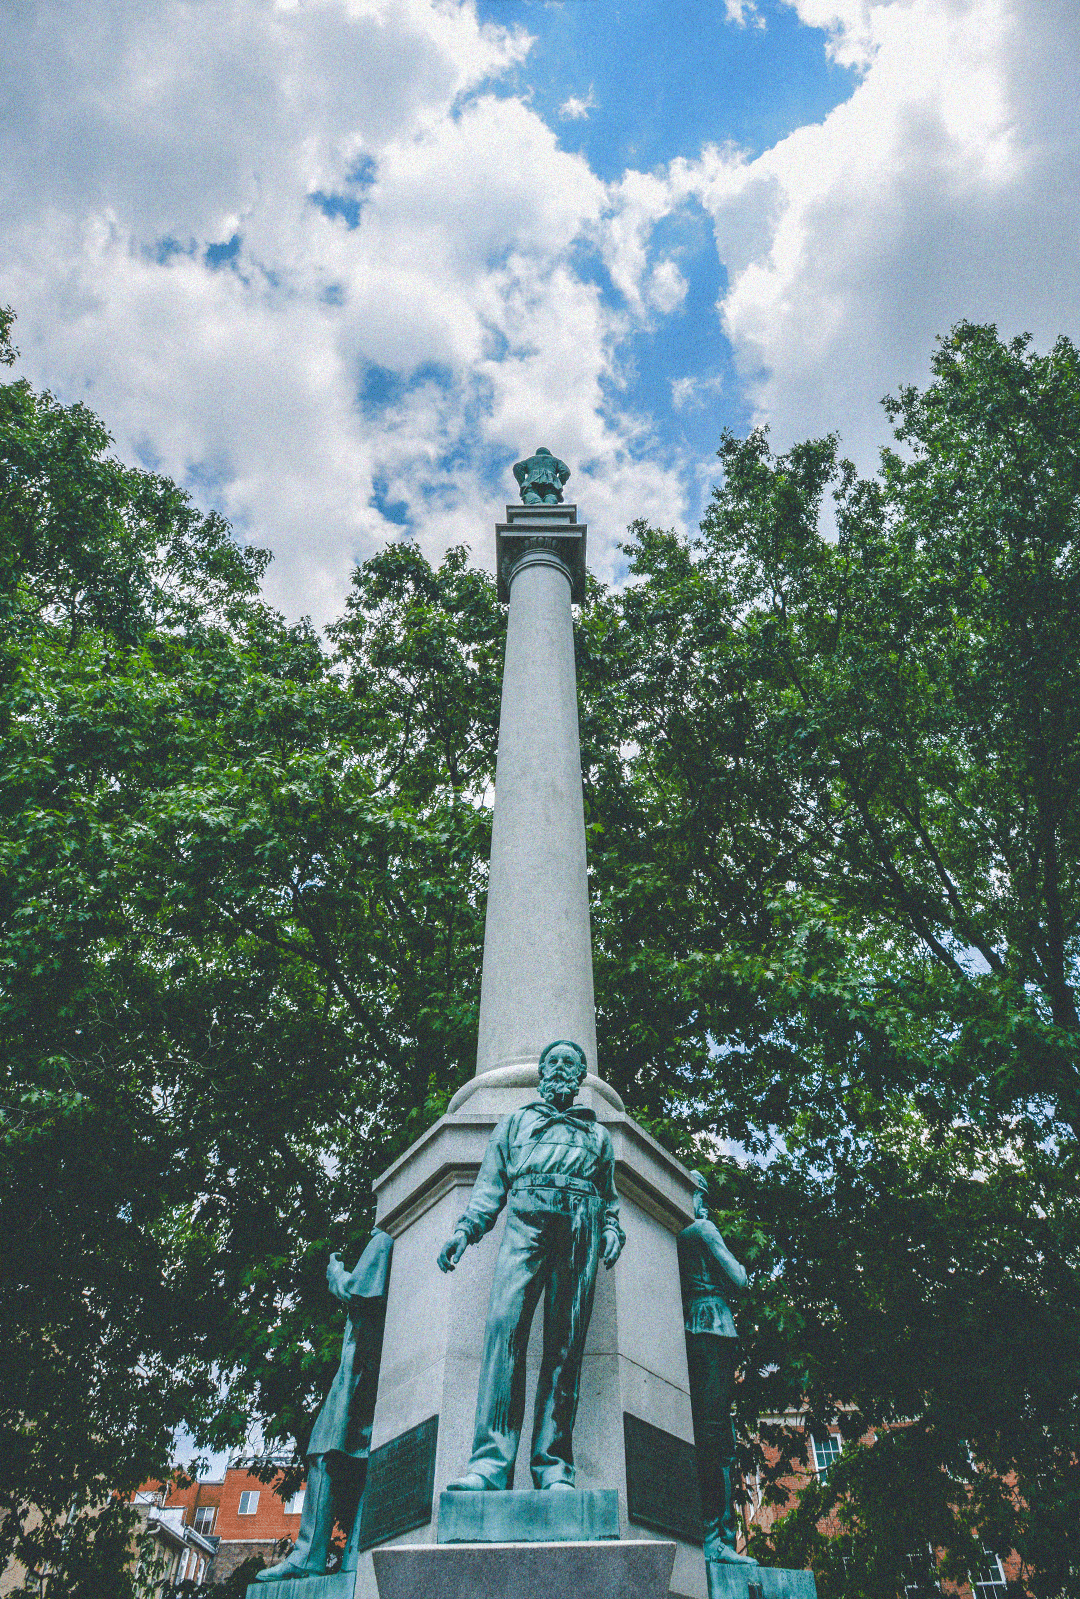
[(488, 1090)]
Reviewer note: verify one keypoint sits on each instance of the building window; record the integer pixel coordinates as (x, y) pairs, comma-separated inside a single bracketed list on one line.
[(249, 1502), (922, 1578), (204, 1519), (989, 1582), (826, 1450), (295, 1505)]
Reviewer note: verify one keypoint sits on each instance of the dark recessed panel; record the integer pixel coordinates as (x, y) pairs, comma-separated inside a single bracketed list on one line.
[(661, 1481)]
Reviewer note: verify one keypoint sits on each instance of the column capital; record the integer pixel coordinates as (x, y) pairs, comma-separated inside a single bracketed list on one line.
[(552, 528)]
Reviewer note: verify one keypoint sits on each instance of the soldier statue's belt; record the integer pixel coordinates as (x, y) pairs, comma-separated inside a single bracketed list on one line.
[(575, 1185)]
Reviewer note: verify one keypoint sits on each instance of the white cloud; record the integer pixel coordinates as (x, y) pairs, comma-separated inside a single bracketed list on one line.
[(440, 279), (690, 393), (946, 187), (143, 134), (740, 12), (575, 109)]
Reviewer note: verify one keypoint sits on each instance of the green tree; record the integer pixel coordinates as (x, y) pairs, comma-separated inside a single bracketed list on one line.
[(239, 933), (842, 860), (831, 793)]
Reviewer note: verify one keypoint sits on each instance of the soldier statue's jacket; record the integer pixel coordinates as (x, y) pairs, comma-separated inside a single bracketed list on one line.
[(709, 1273), (343, 1425), (548, 1158)]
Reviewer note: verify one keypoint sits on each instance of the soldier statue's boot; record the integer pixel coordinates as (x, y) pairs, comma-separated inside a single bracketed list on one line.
[(471, 1482), (720, 1540), (725, 1555), (308, 1557)]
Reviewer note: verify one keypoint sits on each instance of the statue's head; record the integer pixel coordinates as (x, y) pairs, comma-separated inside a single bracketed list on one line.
[(701, 1194), (562, 1071)]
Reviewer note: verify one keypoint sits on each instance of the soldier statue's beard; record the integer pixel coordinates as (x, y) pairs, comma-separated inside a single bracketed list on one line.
[(558, 1080)]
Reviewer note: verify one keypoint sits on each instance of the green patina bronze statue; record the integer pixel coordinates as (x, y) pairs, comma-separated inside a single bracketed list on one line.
[(541, 478), (552, 1165), (337, 1450), (710, 1274)]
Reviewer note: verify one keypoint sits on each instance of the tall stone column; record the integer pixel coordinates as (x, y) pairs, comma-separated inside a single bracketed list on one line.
[(537, 981)]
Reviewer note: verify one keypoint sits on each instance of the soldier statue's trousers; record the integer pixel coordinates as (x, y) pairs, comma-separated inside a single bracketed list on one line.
[(551, 1246), (711, 1361)]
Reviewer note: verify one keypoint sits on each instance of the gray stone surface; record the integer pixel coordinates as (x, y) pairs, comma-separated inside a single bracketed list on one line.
[(762, 1582), (339, 1585), (609, 1570), (525, 1515)]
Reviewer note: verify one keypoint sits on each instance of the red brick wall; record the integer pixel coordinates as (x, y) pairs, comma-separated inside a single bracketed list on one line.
[(269, 1521), (267, 1525)]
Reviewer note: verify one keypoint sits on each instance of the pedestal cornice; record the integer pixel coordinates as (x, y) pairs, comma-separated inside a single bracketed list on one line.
[(538, 530), (448, 1156)]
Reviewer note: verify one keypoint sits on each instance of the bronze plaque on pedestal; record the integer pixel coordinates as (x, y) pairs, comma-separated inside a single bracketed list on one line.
[(661, 1481), (400, 1484)]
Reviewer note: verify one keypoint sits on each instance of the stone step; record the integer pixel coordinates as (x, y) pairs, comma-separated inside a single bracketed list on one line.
[(609, 1569)]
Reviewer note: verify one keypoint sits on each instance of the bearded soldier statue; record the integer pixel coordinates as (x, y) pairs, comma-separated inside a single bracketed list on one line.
[(551, 1164)]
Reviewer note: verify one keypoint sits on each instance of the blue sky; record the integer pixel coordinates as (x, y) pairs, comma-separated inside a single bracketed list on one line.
[(336, 264), (666, 80)]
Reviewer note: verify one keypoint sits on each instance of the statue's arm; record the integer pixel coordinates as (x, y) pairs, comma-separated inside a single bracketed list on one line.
[(733, 1270), (337, 1278), (488, 1198), (520, 471), (613, 1236)]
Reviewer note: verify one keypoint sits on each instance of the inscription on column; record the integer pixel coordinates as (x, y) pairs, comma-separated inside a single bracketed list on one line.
[(661, 1481), (400, 1484)]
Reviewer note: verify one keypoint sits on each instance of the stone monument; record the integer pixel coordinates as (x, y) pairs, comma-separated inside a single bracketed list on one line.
[(615, 1507), (635, 1494)]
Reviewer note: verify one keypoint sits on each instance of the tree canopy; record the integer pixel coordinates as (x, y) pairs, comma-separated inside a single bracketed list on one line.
[(832, 805)]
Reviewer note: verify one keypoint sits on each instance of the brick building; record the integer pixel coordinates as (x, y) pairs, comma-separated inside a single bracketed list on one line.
[(991, 1582), (238, 1516)]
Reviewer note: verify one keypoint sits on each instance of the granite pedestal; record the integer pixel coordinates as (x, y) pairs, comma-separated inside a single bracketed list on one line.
[(606, 1570), (635, 1356)]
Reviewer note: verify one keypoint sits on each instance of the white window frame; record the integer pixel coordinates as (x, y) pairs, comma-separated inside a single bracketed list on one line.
[(295, 1505), (992, 1584), (249, 1502), (826, 1453), (205, 1527)]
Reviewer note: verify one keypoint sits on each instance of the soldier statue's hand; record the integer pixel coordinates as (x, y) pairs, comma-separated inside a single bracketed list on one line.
[(336, 1277), (452, 1251), (612, 1247)]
